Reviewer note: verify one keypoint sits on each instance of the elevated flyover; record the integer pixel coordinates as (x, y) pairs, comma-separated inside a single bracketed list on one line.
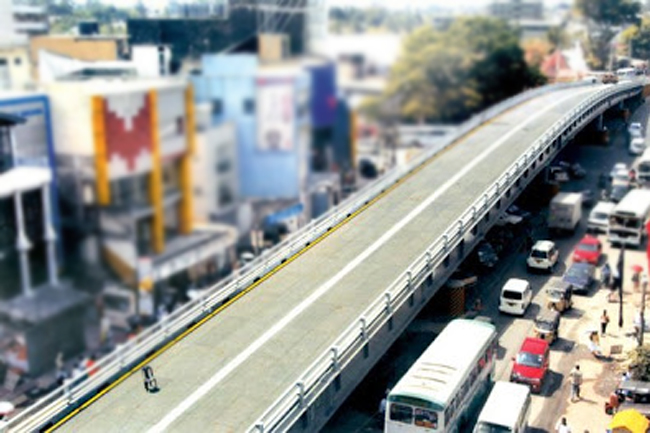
[(313, 321)]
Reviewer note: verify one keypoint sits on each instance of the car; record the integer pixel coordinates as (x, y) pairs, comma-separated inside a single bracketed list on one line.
[(637, 146), (543, 256), (587, 197), (530, 366), (621, 177), (635, 129), (368, 169), (580, 276), (516, 210), (590, 79), (588, 250), (617, 167), (609, 78), (599, 217), (617, 192), (558, 173), (506, 218), (577, 171), (516, 296), (486, 255)]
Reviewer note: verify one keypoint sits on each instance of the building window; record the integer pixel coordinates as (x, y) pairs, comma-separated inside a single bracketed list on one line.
[(217, 107), (18, 61), (249, 106), (224, 166), (225, 195), (170, 177), (180, 125)]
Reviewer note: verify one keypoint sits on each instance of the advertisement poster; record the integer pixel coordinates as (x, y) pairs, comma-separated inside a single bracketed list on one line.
[(275, 111)]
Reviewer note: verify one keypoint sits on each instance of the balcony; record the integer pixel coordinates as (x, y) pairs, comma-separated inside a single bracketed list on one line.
[(20, 8), (30, 26)]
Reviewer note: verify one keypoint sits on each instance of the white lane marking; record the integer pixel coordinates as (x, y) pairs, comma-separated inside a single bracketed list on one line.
[(201, 391)]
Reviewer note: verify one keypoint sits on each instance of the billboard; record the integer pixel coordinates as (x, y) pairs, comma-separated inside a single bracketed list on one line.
[(275, 114)]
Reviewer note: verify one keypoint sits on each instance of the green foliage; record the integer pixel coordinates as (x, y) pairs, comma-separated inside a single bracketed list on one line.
[(640, 363), (638, 36), (602, 16), (609, 12), (449, 75), (557, 37)]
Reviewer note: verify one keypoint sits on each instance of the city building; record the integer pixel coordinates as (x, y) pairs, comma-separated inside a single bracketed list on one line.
[(516, 10), (15, 68), (88, 48), (33, 299), (124, 158), (20, 19)]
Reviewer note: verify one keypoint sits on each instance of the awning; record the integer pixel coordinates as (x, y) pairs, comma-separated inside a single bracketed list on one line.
[(629, 420), (22, 179)]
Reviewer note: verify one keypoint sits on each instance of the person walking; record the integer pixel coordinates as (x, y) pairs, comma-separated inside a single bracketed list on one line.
[(562, 426), (575, 376), (604, 321)]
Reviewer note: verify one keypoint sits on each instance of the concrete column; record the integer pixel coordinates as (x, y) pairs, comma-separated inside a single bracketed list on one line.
[(23, 246), (50, 236), (600, 122)]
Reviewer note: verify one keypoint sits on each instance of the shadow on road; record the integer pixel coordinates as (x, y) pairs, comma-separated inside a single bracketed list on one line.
[(563, 345), (553, 382)]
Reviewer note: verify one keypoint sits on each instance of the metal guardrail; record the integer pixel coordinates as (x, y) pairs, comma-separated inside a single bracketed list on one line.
[(124, 358), (295, 400)]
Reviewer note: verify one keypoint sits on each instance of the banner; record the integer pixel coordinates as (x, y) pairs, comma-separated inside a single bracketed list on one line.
[(275, 115)]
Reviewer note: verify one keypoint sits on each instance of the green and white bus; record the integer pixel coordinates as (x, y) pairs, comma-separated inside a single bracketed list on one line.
[(447, 384)]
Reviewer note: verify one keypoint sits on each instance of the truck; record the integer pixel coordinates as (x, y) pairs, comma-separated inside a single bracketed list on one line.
[(565, 211)]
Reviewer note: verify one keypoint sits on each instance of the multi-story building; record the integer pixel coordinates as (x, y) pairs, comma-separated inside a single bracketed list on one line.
[(20, 19), (124, 158), (32, 298), (287, 168), (517, 10)]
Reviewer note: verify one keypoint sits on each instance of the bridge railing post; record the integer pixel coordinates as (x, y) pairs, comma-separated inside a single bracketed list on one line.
[(336, 365), (259, 427), (364, 329), (301, 393)]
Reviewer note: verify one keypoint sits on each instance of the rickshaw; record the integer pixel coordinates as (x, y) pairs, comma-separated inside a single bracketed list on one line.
[(559, 294), (547, 324), (632, 394)]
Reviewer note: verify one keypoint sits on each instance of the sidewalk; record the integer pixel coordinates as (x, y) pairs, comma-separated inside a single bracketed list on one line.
[(601, 377)]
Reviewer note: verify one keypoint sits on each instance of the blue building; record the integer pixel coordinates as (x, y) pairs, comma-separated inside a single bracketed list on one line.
[(32, 143)]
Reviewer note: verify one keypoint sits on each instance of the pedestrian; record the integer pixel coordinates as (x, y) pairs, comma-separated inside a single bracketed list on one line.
[(604, 321), (575, 376), (636, 279), (606, 275), (562, 426)]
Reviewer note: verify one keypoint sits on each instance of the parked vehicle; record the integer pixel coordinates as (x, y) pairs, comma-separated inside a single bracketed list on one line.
[(637, 146), (557, 173), (635, 129), (508, 219), (627, 222), (588, 250), (461, 278), (619, 166), (507, 409), (599, 217), (530, 366), (559, 295), (543, 255), (565, 211), (547, 324), (580, 276), (618, 192), (516, 210), (643, 167), (516, 296), (621, 177), (634, 394), (486, 255), (588, 197)]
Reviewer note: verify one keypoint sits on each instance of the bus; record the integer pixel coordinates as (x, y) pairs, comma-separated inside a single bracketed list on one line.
[(643, 167), (447, 384), (627, 221)]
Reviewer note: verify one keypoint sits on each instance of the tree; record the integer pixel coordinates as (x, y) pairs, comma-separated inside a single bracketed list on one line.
[(557, 37), (638, 38), (535, 51), (448, 75), (602, 16)]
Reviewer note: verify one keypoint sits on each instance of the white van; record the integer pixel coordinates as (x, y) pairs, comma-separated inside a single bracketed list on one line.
[(599, 217), (516, 296), (506, 410)]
